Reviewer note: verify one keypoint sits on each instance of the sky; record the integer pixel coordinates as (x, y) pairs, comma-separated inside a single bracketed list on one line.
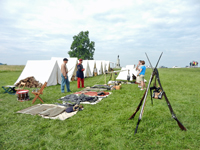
[(41, 29)]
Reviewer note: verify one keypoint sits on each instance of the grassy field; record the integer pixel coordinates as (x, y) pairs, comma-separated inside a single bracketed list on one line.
[(106, 125), (6, 68)]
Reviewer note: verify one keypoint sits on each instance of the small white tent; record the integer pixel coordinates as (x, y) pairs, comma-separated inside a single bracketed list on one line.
[(71, 65), (86, 72), (92, 65), (43, 71), (124, 72), (99, 67)]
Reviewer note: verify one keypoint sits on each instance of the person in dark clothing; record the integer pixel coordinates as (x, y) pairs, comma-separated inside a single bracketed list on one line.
[(79, 74)]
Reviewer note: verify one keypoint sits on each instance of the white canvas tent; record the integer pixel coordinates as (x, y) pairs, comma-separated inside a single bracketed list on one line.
[(43, 71), (107, 64), (92, 65), (124, 72), (103, 65), (86, 72), (99, 67), (71, 65)]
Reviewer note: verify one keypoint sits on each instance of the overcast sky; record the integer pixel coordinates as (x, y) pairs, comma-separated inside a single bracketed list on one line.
[(41, 29)]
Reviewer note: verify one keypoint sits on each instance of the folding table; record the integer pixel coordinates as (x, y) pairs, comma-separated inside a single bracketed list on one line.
[(10, 89)]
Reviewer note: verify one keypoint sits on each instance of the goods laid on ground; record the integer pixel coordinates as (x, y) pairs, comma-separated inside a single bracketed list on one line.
[(51, 111), (106, 87), (116, 87), (78, 98), (30, 82), (92, 93), (84, 97)]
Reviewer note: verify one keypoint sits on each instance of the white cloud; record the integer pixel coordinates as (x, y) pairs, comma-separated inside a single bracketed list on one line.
[(128, 28)]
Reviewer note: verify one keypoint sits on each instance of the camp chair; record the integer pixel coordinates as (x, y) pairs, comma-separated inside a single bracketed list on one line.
[(38, 93), (10, 89), (19, 89)]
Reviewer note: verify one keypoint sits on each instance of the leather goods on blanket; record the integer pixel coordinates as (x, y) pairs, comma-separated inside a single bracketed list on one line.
[(100, 93), (157, 93), (74, 108)]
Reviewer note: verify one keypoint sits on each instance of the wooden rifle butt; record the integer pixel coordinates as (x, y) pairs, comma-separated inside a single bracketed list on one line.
[(180, 125)]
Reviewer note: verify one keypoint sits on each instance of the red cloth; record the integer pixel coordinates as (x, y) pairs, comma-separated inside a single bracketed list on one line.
[(92, 93), (82, 82)]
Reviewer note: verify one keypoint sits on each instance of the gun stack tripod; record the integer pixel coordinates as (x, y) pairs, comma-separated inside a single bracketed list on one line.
[(143, 100)]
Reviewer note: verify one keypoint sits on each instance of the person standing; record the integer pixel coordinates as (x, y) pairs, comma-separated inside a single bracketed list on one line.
[(79, 74), (138, 70), (64, 76), (141, 74)]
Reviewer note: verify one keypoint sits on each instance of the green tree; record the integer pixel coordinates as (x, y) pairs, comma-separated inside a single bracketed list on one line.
[(82, 47)]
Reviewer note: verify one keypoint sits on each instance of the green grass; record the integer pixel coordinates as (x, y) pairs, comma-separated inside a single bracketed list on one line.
[(106, 125)]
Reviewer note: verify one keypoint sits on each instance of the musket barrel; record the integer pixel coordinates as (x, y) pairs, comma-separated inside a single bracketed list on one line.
[(146, 93)]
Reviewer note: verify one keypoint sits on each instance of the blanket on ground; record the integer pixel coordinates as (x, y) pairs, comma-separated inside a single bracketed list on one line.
[(83, 98), (50, 111), (92, 93)]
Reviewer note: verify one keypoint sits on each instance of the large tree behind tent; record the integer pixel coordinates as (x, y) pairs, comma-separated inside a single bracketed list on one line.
[(82, 47), (43, 71)]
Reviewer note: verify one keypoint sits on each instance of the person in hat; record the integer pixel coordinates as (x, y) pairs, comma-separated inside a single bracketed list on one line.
[(64, 76), (79, 74)]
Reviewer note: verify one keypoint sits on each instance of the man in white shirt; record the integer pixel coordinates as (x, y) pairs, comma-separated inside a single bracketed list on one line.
[(64, 76)]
